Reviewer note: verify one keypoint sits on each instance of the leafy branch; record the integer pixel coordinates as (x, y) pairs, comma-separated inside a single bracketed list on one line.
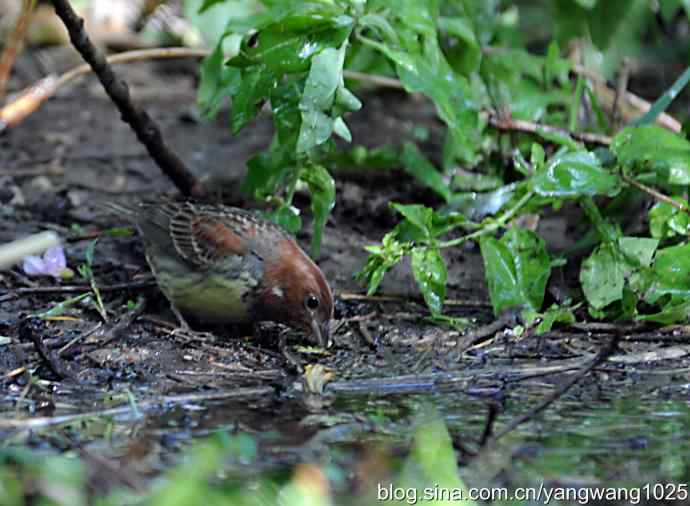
[(305, 60)]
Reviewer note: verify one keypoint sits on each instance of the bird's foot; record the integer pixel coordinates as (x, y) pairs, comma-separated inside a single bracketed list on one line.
[(186, 331), (291, 358)]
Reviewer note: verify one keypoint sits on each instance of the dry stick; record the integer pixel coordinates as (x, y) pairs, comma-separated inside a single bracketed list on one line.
[(145, 128), (495, 119), (33, 97), (491, 417), (125, 321), (621, 88), (132, 56), (656, 194), (76, 289), (10, 53), (603, 354), (27, 330)]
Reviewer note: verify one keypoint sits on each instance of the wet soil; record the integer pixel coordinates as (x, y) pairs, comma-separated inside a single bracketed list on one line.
[(158, 387)]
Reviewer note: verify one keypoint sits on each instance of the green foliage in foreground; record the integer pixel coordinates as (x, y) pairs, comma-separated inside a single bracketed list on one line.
[(215, 472), (307, 60)]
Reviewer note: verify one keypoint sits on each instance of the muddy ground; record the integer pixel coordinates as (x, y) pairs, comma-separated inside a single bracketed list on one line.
[(163, 387)]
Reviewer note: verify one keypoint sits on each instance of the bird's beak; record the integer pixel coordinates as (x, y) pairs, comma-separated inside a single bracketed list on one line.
[(321, 334)]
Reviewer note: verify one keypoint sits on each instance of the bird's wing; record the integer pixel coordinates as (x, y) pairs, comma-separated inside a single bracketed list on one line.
[(202, 237)]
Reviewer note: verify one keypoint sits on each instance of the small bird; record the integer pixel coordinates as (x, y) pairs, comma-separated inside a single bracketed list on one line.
[(221, 264)]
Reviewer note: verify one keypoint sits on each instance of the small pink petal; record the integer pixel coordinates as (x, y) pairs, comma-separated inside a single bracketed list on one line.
[(34, 266), (54, 261)]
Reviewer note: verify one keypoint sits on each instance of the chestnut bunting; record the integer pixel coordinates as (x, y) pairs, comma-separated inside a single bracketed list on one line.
[(225, 265)]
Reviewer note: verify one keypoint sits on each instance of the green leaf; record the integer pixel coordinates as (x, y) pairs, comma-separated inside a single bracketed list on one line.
[(638, 251), (287, 46), (217, 82), (423, 68), (287, 117), (653, 147), (429, 271), (555, 314), (322, 190), (268, 171), (662, 103), (666, 221), (381, 258), (575, 174), (316, 129), (556, 67), (253, 90), (432, 462), (417, 165), (670, 274), (466, 54), (517, 269), (675, 312), (419, 216), (324, 84), (603, 275), (380, 24), (324, 77), (341, 130), (287, 217)]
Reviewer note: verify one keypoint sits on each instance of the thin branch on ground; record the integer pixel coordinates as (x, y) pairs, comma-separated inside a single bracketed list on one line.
[(125, 321), (488, 431), (29, 331), (132, 285), (605, 352), (145, 128), (479, 334), (63, 351)]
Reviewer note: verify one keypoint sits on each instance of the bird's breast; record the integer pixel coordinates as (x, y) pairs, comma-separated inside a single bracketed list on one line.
[(218, 295)]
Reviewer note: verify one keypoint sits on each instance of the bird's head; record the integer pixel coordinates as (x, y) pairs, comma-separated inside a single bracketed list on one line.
[(294, 291)]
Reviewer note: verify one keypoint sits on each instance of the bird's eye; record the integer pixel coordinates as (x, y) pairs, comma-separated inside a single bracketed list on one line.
[(312, 302)]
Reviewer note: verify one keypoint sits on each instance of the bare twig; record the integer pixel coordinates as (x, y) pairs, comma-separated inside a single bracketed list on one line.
[(125, 321), (145, 128), (30, 330), (31, 99), (601, 357), (134, 56), (518, 125), (606, 95), (491, 417), (656, 194), (14, 45), (381, 81), (133, 285), (621, 88)]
